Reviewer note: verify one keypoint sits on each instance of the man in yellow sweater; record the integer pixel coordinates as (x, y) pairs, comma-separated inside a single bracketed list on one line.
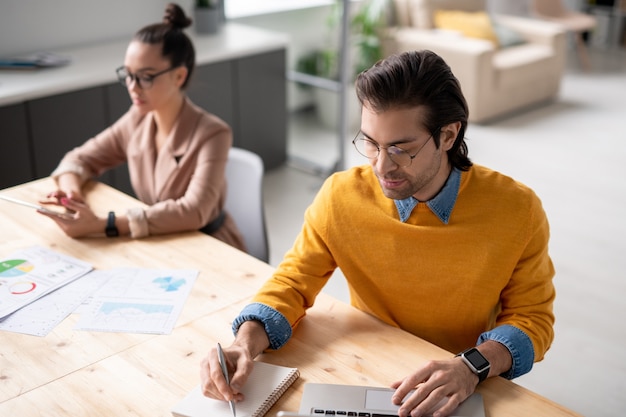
[(452, 252)]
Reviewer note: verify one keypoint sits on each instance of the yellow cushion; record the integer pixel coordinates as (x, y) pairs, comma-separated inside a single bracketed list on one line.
[(470, 24)]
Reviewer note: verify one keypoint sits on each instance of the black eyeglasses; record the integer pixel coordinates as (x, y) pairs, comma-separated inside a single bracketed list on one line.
[(371, 150), (144, 81)]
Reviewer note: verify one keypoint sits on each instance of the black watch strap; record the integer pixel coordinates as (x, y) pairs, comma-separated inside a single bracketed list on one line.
[(111, 229), (476, 362)]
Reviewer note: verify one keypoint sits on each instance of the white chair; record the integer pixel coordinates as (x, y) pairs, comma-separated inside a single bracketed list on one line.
[(244, 199)]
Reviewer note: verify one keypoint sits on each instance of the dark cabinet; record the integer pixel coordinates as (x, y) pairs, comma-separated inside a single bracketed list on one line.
[(261, 106), (60, 123), (117, 102), (17, 165), (248, 93), (211, 87)]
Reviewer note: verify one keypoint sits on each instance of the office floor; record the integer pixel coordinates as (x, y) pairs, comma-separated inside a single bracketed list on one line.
[(571, 152)]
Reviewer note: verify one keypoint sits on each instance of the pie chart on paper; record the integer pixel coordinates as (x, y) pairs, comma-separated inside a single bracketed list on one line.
[(15, 267)]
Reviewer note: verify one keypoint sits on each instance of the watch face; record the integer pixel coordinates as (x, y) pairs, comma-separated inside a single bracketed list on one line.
[(476, 359)]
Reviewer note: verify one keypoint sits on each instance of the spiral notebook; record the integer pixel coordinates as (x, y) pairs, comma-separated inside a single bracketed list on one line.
[(265, 385)]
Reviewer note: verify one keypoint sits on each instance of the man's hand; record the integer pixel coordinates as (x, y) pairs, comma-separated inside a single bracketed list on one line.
[(440, 386), (435, 382), (251, 340), (239, 364)]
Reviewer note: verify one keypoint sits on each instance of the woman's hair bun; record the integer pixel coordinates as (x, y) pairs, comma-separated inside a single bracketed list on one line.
[(175, 16)]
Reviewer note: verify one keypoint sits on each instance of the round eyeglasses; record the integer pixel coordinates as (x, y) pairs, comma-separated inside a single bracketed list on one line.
[(371, 150), (144, 81)]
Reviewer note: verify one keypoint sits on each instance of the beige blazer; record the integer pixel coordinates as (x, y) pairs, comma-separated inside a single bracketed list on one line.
[(183, 185)]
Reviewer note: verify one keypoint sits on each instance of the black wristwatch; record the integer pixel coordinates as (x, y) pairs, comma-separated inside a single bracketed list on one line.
[(476, 362), (111, 229)]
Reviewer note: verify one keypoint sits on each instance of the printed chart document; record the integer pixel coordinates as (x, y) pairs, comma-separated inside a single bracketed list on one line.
[(266, 384), (31, 273), (42, 315), (138, 300)]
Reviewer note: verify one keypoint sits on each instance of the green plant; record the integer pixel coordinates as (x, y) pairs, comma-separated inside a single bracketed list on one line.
[(365, 28), (319, 62), (365, 25)]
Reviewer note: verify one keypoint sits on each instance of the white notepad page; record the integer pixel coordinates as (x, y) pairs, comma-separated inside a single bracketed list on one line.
[(264, 387)]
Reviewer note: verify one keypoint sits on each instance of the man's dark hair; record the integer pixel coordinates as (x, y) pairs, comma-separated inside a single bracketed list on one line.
[(419, 78)]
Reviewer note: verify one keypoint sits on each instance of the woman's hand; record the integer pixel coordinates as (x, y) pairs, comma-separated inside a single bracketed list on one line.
[(56, 196), (81, 222)]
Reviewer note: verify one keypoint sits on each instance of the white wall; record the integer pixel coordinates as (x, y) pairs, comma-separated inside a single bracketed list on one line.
[(35, 25)]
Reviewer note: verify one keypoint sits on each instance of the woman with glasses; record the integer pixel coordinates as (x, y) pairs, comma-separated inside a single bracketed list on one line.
[(176, 152)]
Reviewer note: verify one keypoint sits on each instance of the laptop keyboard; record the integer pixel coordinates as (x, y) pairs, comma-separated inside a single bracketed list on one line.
[(323, 412)]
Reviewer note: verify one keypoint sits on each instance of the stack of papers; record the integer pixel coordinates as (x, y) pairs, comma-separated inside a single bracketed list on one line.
[(39, 288)]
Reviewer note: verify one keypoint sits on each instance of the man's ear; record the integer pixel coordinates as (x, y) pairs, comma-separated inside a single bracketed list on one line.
[(448, 135)]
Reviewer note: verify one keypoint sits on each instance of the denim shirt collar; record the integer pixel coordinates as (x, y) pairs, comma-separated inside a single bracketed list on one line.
[(441, 205)]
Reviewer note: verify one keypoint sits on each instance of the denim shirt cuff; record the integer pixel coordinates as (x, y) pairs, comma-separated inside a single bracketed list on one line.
[(276, 325), (519, 345)]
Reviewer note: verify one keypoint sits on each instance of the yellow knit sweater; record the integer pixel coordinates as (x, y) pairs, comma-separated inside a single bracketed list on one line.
[(446, 283)]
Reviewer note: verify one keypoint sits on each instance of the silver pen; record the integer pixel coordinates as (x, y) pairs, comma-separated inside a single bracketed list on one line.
[(220, 357)]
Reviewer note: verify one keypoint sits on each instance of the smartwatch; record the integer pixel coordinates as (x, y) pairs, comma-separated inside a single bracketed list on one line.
[(111, 229), (476, 362)]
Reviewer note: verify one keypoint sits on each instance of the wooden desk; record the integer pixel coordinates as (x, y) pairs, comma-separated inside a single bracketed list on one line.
[(227, 276), (76, 373)]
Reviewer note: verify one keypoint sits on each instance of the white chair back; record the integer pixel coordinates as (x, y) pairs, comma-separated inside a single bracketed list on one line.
[(244, 199)]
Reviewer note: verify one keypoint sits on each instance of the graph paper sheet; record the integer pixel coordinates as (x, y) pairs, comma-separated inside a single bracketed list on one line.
[(138, 300)]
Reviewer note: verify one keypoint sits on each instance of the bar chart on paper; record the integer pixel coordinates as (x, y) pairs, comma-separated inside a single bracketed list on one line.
[(118, 316), (137, 300)]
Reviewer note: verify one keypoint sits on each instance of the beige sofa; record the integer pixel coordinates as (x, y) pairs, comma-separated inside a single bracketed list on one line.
[(496, 80)]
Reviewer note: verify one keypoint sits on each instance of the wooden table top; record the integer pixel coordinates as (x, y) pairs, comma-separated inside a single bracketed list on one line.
[(81, 373)]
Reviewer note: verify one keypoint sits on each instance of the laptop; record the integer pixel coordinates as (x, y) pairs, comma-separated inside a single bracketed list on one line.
[(363, 401)]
